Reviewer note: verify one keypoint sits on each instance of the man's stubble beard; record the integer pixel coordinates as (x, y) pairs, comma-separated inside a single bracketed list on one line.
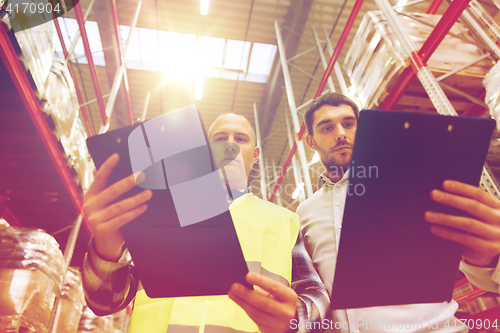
[(331, 163)]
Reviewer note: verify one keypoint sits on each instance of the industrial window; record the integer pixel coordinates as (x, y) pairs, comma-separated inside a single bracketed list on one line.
[(69, 27), (179, 55)]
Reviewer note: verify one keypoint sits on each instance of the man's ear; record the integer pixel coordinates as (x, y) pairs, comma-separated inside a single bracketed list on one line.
[(256, 154), (310, 142)]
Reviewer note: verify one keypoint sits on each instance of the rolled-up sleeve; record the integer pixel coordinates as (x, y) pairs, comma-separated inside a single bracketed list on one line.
[(313, 300), (109, 286)]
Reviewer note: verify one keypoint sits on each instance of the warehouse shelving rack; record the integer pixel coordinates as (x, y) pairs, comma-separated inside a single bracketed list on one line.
[(25, 91), (16, 71), (14, 67), (418, 68)]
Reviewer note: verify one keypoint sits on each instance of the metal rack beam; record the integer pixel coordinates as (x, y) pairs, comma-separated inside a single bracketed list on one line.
[(263, 190), (68, 254), (296, 171), (91, 65), (6, 214), (434, 7), (296, 17), (322, 57), (336, 67), (120, 73), (293, 111), (77, 35), (86, 119), (121, 55), (481, 15)]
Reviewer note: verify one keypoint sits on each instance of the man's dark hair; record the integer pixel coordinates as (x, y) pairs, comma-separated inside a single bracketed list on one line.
[(334, 99)]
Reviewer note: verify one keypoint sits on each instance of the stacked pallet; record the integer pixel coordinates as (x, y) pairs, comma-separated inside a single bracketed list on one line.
[(376, 58), (31, 270)]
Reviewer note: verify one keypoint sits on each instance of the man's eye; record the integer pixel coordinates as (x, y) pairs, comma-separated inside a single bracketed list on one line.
[(325, 129), (241, 139)]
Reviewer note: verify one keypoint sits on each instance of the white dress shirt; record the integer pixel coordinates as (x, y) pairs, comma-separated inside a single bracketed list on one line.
[(321, 225)]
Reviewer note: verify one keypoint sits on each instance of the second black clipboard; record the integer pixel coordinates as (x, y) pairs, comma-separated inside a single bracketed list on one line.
[(387, 254)]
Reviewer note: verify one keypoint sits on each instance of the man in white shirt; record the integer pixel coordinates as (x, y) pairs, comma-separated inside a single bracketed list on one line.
[(331, 124)]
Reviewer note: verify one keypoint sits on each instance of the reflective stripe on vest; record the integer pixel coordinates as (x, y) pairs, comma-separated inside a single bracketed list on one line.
[(267, 234), (194, 329)]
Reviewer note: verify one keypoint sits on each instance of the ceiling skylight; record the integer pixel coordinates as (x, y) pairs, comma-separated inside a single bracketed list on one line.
[(133, 57), (180, 59), (149, 48), (236, 54), (178, 55), (262, 58), (212, 53), (69, 27), (204, 7)]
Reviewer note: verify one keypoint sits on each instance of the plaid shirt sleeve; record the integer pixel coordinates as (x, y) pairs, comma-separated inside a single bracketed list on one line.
[(314, 303), (109, 286)]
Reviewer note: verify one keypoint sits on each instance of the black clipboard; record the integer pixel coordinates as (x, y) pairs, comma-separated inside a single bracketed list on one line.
[(387, 254), (174, 259)]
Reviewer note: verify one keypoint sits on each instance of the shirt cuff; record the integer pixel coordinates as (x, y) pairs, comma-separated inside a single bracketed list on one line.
[(104, 269), (486, 278)]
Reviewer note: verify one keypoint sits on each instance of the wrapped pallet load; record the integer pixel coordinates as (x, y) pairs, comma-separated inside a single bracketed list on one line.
[(60, 105), (36, 52), (376, 58), (70, 305), (77, 155), (31, 269), (59, 101)]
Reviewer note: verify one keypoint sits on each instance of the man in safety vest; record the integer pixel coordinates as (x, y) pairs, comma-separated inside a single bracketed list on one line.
[(331, 122), (109, 278)]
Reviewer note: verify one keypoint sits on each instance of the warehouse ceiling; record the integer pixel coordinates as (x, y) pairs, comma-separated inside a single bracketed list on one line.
[(240, 20), (252, 22)]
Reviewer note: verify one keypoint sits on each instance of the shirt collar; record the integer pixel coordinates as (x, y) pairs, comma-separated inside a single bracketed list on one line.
[(235, 193), (323, 179), (238, 193)]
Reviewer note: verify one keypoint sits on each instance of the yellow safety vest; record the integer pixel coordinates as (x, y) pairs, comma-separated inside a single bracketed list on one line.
[(267, 234)]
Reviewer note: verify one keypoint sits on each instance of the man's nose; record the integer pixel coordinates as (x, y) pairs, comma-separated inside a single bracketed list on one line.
[(230, 148), (340, 133)]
